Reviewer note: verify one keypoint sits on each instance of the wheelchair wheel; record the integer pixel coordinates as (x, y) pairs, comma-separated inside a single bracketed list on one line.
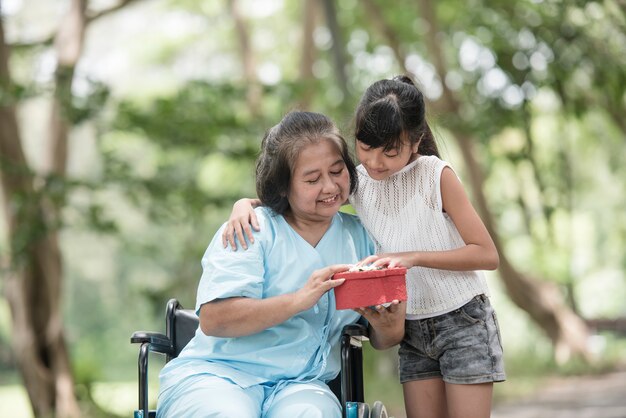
[(379, 410), (357, 410), (363, 410)]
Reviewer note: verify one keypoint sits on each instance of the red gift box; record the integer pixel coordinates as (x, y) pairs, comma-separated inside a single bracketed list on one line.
[(370, 287)]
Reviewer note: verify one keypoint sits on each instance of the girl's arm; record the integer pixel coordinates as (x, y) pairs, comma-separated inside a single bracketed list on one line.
[(239, 222), (240, 316), (479, 251), (241, 219)]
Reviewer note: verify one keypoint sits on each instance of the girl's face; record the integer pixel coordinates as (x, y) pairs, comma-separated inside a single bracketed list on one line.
[(320, 182), (379, 164)]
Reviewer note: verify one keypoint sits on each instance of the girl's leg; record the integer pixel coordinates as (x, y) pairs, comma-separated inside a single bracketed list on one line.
[(471, 358), (300, 400), (210, 396), (425, 398), (469, 401)]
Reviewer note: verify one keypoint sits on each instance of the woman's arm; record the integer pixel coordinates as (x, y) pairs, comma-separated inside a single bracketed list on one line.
[(479, 251), (239, 222), (240, 316), (386, 325)]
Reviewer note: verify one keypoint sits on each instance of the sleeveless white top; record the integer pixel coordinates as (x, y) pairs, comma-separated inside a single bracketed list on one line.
[(404, 213)]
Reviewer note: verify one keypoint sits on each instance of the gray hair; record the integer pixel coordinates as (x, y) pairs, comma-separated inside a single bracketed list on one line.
[(281, 147)]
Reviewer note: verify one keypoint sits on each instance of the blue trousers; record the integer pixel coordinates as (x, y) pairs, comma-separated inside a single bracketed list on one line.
[(211, 396)]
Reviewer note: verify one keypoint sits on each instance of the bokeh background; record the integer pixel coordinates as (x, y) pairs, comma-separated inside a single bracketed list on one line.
[(129, 127)]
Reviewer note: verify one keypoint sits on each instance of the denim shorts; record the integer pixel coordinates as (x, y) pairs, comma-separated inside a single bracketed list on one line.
[(462, 346)]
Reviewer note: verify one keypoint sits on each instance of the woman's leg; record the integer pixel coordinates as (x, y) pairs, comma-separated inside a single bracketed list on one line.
[(310, 400), (210, 396), (425, 398)]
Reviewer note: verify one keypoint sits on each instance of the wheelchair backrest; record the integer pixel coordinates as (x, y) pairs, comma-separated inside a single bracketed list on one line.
[(180, 325)]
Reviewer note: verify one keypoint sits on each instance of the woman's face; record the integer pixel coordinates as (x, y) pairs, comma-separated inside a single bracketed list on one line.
[(320, 182)]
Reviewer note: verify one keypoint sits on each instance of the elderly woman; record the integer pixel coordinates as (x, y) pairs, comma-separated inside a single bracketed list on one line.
[(269, 332)]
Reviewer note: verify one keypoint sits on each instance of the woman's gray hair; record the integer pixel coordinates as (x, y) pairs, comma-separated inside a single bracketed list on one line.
[(280, 149)]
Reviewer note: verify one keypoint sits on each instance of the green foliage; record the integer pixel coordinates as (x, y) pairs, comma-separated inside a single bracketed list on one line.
[(173, 136), (199, 117), (549, 133), (87, 106)]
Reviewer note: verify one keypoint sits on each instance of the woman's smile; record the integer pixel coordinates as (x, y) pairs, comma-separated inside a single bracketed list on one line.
[(330, 200)]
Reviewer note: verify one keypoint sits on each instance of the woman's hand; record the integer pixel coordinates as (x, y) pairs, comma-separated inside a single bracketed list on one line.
[(239, 222), (319, 282), (386, 323)]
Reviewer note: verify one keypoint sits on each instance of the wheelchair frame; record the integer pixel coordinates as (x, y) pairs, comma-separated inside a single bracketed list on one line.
[(181, 325)]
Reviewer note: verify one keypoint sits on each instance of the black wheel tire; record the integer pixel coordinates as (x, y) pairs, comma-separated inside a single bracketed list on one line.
[(379, 410)]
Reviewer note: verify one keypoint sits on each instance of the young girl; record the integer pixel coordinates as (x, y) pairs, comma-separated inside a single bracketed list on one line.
[(416, 209)]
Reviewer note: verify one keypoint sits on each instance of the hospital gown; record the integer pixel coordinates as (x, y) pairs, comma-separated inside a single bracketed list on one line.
[(302, 351)]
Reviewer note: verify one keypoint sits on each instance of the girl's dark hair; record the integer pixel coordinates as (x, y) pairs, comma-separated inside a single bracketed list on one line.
[(280, 149), (391, 111)]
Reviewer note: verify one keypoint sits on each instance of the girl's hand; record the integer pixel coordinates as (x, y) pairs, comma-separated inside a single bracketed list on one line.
[(239, 222), (367, 261), (387, 323), (391, 260), (380, 316), (319, 283)]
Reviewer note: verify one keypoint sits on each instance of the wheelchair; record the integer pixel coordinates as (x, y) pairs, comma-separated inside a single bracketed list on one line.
[(181, 325)]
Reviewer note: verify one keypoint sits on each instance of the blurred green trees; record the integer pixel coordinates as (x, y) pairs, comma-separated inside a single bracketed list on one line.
[(168, 101)]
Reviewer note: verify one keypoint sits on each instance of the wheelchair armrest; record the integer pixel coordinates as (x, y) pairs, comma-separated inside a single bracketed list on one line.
[(159, 343), (150, 341), (356, 330)]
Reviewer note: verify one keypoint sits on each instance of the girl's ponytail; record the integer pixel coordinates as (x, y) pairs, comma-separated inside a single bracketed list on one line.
[(428, 145)]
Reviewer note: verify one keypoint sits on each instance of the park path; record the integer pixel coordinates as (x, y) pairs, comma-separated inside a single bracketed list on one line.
[(601, 396)]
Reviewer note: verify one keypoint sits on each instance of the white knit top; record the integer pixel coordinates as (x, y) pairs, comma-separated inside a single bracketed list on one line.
[(404, 213)]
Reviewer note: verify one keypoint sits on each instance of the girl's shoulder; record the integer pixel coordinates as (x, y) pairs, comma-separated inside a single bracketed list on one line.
[(430, 168), (431, 162)]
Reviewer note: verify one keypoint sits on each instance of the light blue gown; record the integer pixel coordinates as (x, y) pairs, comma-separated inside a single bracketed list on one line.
[(281, 371)]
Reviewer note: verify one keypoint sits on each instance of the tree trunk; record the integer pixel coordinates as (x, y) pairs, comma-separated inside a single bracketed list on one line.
[(308, 54), (253, 95), (541, 300), (376, 16), (33, 286), (339, 59)]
